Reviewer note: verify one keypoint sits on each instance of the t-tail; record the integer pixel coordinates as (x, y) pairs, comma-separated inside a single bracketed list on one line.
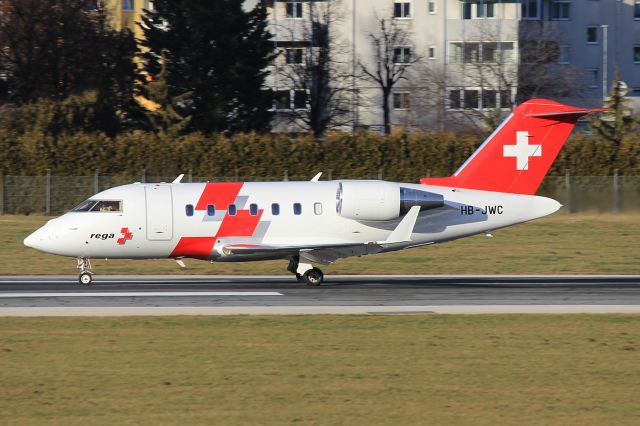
[(518, 154)]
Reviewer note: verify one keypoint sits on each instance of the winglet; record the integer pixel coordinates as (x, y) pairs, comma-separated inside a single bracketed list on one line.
[(178, 179), (403, 231), (316, 177)]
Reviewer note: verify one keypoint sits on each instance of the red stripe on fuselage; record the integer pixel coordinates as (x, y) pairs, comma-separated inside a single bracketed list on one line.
[(219, 194), (195, 247), (240, 225)]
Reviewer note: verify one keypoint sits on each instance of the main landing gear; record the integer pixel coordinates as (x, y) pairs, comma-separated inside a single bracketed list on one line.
[(305, 272), (86, 276)]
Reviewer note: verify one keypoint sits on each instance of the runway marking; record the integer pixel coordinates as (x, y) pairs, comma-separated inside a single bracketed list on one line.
[(149, 282), (142, 294)]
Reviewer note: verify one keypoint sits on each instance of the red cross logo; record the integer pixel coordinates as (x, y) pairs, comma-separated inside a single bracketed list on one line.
[(126, 235)]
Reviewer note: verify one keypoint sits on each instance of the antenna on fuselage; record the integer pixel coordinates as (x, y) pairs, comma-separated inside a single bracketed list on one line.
[(316, 177), (178, 179)]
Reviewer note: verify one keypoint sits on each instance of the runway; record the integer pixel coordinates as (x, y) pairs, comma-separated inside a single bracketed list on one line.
[(389, 294)]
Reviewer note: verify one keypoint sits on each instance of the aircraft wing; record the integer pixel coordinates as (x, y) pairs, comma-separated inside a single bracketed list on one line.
[(329, 253), (321, 253)]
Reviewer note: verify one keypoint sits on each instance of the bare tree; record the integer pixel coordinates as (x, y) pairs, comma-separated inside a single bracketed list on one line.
[(543, 67), (319, 73), (393, 54)]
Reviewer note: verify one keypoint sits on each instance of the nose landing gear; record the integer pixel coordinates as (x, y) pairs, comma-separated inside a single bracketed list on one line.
[(86, 276)]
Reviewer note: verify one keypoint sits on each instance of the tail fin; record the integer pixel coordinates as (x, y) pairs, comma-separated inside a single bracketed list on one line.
[(518, 154)]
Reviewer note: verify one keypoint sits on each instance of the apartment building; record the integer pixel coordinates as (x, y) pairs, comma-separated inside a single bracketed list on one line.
[(465, 60), (128, 13)]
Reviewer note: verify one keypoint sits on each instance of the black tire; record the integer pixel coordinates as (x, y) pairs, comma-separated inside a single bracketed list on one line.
[(299, 277), (85, 278), (313, 277)]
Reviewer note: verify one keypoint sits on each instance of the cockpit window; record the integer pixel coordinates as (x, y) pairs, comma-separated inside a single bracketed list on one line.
[(84, 206), (107, 206), (99, 206)]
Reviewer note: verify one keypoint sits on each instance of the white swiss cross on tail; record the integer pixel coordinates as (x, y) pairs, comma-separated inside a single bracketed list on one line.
[(522, 150)]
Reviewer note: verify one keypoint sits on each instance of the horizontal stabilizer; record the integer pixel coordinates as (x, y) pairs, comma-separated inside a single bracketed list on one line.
[(556, 114)]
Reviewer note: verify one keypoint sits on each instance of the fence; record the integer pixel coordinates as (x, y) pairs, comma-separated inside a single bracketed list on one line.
[(57, 194)]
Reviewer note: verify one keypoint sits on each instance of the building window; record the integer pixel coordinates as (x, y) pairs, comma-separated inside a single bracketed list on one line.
[(477, 99), (275, 209), (455, 53), (484, 9), (560, 10), (431, 7), (211, 210), (466, 10), (454, 99), (494, 53), (592, 34), (489, 98), (471, 99), (592, 75), (471, 53), (490, 9), (299, 99), (188, 209), (231, 210), (530, 9), (127, 5), (283, 99), (564, 54), (505, 99), (401, 55), (636, 53), (401, 100), (294, 56), (402, 9), (253, 209), (297, 208), (505, 50), (431, 52), (490, 53), (294, 9), (317, 208), (636, 10)]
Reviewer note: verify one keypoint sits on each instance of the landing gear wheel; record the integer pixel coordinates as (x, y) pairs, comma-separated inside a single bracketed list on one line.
[(85, 278), (299, 277), (313, 277)]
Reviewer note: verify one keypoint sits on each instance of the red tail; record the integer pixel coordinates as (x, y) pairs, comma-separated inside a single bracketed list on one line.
[(518, 154)]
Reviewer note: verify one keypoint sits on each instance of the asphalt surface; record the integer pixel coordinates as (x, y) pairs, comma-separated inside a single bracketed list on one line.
[(164, 295)]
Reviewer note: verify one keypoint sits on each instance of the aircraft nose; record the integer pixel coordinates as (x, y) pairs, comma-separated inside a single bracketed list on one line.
[(33, 240)]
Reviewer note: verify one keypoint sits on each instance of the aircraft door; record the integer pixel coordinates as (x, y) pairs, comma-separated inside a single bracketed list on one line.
[(159, 212)]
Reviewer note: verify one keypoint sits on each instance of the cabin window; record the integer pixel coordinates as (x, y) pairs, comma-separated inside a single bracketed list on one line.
[(211, 210), (297, 208), (189, 209), (275, 209), (317, 208), (253, 209), (232, 210)]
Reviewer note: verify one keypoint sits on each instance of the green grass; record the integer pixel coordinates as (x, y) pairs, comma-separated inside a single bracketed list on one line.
[(480, 370), (559, 244)]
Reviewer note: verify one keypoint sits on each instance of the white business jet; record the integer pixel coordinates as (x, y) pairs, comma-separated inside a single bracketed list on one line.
[(319, 222)]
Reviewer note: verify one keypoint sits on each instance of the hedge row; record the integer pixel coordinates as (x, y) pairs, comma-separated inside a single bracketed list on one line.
[(359, 155)]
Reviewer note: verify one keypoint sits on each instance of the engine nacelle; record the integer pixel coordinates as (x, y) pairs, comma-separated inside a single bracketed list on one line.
[(368, 200), (379, 200)]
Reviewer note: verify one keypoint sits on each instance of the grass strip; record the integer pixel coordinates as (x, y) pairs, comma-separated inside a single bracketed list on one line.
[(378, 370)]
